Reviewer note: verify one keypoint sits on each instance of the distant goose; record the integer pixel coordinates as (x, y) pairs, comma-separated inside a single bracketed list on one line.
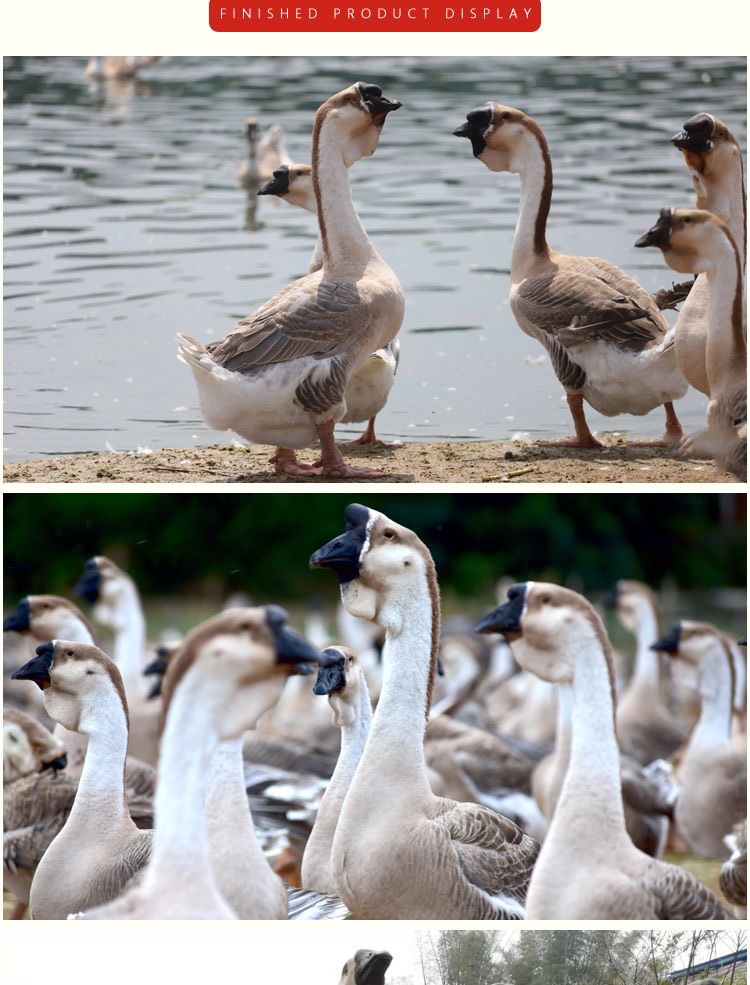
[(371, 382), (606, 338), (280, 376), (264, 153), (118, 66)]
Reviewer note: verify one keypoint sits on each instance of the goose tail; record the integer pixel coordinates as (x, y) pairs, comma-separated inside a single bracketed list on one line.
[(190, 351)]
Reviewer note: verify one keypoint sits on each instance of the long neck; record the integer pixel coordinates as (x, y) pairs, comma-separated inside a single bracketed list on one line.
[(592, 783), (189, 741), (725, 346), (101, 789), (716, 686), (397, 735), (344, 240), (646, 676), (726, 198), (534, 166), (130, 642)]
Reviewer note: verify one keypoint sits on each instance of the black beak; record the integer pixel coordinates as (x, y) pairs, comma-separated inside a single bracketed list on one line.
[(475, 127), (157, 666), (742, 641), (89, 585), (279, 184), (38, 668), (378, 105), (331, 674), (659, 234), (612, 597), (696, 134), (506, 618), (57, 764), (342, 554), (291, 648), (19, 621), (370, 967), (670, 641)]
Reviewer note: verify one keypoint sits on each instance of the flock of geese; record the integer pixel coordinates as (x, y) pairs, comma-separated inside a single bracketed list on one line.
[(325, 349), (510, 772)]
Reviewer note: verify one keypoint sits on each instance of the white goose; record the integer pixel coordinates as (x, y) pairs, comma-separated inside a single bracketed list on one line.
[(606, 338), (118, 66), (264, 154), (280, 376), (714, 160), (588, 867), (370, 384), (400, 852)]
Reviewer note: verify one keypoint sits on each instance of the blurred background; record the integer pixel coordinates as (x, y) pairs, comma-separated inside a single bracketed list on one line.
[(124, 223), (187, 552)]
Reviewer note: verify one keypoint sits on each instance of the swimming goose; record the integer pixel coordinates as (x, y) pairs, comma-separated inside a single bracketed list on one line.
[(608, 343), (399, 851), (264, 154), (714, 160), (341, 678), (646, 728), (733, 874), (370, 384), (117, 66), (279, 376), (588, 867), (697, 241), (99, 849), (712, 771)]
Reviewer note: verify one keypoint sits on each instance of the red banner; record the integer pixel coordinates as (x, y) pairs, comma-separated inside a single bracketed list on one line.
[(356, 15)]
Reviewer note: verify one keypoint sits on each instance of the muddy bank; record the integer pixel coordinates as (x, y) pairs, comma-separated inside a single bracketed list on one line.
[(482, 461)]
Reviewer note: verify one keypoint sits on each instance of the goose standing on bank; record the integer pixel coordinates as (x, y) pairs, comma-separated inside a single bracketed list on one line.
[(606, 338), (712, 771), (370, 384), (588, 867), (264, 154), (696, 241), (399, 851), (341, 678), (714, 160), (280, 375), (99, 848)]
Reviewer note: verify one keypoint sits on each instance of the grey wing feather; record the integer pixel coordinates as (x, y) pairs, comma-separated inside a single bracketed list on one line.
[(678, 895), (311, 317), (121, 872)]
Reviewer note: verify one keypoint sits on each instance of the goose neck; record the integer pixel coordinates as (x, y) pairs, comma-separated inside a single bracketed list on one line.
[(716, 686), (130, 642), (534, 167), (646, 674), (726, 198), (725, 311), (345, 244), (101, 789)]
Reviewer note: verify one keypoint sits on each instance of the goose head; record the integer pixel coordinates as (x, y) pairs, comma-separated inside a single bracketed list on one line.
[(710, 150), (690, 239), (238, 663), (501, 137), (293, 183), (76, 678), (547, 625), (45, 617), (702, 646), (48, 751), (382, 567), (19, 758), (157, 667), (111, 592), (630, 600), (366, 968), (354, 118), (340, 677), (252, 134)]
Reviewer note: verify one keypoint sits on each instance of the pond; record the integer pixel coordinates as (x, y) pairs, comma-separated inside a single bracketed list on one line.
[(124, 224)]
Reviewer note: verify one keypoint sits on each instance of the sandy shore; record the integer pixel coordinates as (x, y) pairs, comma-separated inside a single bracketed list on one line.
[(481, 461)]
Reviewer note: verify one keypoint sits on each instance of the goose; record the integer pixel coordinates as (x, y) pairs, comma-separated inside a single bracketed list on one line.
[(341, 678), (44, 617), (713, 771), (646, 728), (117, 66), (37, 797), (648, 793), (697, 241), (366, 968), (588, 867), (264, 154), (714, 160), (371, 382), (279, 376), (606, 338), (400, 852), (99, 849), (733, 874), (229, 671)]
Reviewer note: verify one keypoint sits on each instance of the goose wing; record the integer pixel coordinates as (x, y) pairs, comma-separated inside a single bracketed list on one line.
[(311, 317), (677, 895), (35, 808), (494, 854), (123, 871), (576, 303)]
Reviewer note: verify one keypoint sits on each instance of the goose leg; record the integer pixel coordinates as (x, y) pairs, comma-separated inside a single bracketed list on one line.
[(332, 461), (584, 438), (672, 427), (285, 462), (368, 437)]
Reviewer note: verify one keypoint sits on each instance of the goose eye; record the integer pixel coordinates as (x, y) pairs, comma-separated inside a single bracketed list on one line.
[(546, 599), (69, 653), (687, 219), (505, 116), (389, 534), (89, 673)]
